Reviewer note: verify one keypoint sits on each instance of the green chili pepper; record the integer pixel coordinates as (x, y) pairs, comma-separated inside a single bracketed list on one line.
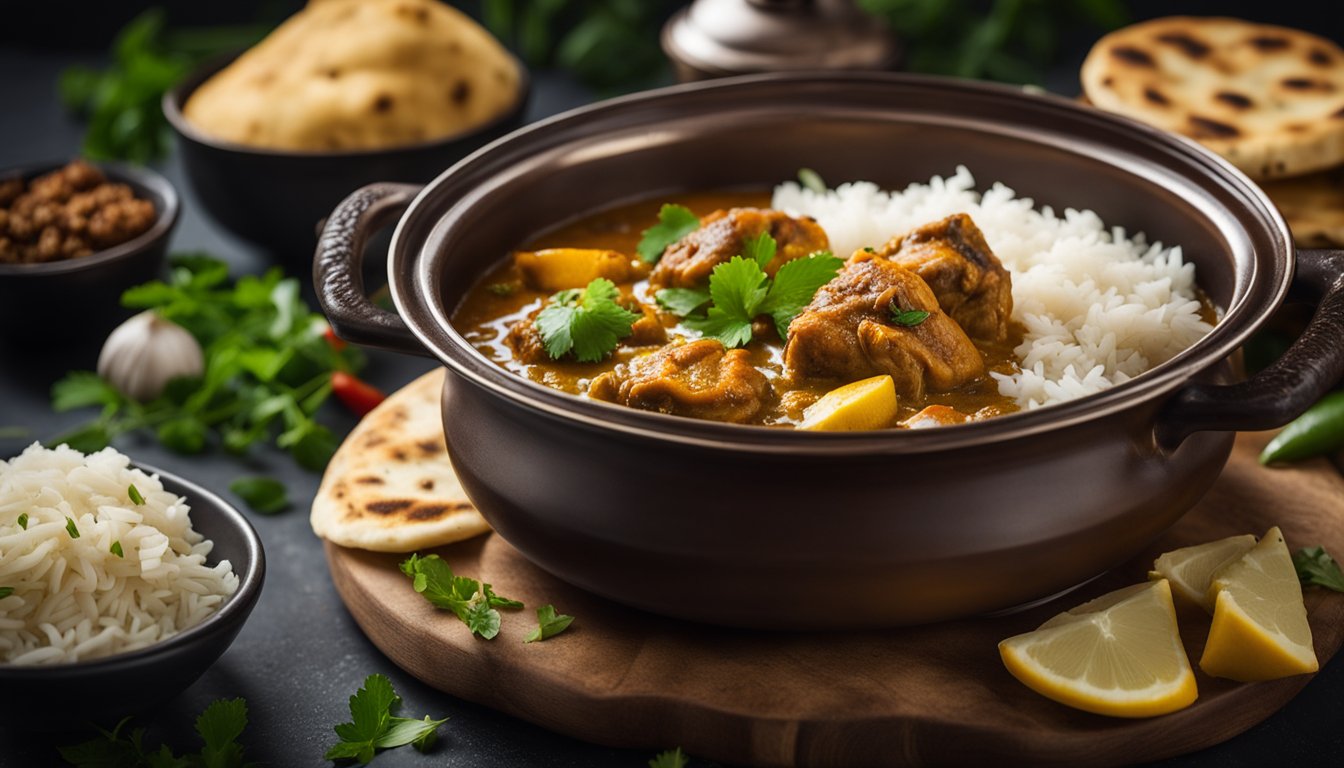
[(1318, 431)]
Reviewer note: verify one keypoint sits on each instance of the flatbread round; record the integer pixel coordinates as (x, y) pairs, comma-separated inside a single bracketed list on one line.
[(1313, 206), (390, 486), (1269, 99), (360, 74)]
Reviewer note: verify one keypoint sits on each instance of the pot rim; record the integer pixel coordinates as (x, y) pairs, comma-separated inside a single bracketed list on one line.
[(411, 283)]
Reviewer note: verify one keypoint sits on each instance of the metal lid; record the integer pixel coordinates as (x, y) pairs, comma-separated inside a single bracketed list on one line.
[(714, 38)]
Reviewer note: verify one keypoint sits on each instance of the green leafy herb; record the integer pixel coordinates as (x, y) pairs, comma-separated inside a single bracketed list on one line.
[(1315, 567), (672, 758), (549, 624), (502, 289), (23, 521), (683, 301), (869, 249), (373, 726), (812, 180), (908, 318), (470, 600), (262, 494), (741, 291), (71, 529), (268, 369), (134, 494), (117, 550), (674, 223), (6, 592), (219, 727), (588, 322)]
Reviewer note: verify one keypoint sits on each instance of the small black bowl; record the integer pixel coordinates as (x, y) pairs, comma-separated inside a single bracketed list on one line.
[(277, 198), (107, 689), (81, 298)]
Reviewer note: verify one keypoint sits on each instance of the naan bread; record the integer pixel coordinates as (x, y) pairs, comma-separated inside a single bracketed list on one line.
[(360, 74), (1313, 206), (390, 486), (1269, 99)]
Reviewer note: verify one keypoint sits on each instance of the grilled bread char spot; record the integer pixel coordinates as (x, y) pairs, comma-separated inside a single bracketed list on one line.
[(1268, 98)]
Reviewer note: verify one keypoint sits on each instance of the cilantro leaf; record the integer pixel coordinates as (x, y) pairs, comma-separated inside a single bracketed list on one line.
[(471, 601), (590, 323), (672, 758), (760, 249), (682, 301), (549, 624), (794, 286), (23, 521), (404, 730), (219, 726), (482, 619), (373, 727), (6, 592), (81, 389), (1315, 567), (262, 494), (674, 223), (117, 550), (908, 318)]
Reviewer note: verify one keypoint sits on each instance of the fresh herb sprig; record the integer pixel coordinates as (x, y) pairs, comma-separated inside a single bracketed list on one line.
[(373, 726), (263, 494), (740, 291), (470, 600), (589, 322), (549, 624), (672, 758), (674, 223), (6, 592), (1315, 567), (219, 727), (907, 318), (268, 369)]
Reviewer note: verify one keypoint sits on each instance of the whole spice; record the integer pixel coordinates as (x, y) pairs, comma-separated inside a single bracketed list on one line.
[(144, 353)]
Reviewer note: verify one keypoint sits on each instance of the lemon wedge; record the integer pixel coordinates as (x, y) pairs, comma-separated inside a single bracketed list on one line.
[(1119, 655), (1260, 629), (1190, 569), (865, 404)]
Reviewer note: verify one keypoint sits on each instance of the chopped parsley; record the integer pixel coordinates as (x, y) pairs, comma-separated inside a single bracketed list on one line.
[(470, 600), (373, 727), (674, 223), (907, 318), (116, 549), (740, 291), (1315, 567), (588, 322), (134, 494), (549, 624), (71, 529), (6, 592), (23, 521)]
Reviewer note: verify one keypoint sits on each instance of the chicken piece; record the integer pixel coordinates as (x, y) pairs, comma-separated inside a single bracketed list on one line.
[(847, 332), (971, 284), (721, 236), (936, 416), (525, 340), (699, 379)]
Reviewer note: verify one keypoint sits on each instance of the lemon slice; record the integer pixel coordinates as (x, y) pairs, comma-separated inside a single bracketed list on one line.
[(1260, 629), (1190, 569), (865, 404), (1122, 656)]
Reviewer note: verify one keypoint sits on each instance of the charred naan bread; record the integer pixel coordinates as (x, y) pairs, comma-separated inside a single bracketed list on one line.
[(360, 74), (390, 486), (1269, 99), (1313, 206)]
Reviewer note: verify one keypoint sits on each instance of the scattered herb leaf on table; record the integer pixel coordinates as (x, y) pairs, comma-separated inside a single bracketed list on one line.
[(1316, 567), (373, 726), (219, 727)]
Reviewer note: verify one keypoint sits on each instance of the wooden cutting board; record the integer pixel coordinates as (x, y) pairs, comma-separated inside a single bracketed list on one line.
[(927, 695)]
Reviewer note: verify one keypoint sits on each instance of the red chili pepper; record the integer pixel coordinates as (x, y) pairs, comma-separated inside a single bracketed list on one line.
[(357, 395), (334, 341)]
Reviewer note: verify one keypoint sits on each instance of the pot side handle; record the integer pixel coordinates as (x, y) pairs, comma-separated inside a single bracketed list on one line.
[(1311, 367), (337, 265)]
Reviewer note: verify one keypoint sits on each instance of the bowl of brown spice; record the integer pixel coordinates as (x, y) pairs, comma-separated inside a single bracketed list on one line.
[(72, 238)]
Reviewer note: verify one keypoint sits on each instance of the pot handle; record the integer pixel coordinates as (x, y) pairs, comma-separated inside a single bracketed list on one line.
[(337, 275), (1312, 366)]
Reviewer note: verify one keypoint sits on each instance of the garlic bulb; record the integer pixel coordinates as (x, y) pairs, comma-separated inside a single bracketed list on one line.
[(144, 353)]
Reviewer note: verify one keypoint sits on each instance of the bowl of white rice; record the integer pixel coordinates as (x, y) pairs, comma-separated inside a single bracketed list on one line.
[(1128, 395), (119, 584)]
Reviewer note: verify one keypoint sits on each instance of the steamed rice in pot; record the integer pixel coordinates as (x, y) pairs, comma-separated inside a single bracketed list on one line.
[(73, 597), (1099, 305)]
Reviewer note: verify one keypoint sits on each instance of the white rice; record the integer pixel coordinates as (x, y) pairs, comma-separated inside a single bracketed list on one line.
[(1100, 306), (73, 598)]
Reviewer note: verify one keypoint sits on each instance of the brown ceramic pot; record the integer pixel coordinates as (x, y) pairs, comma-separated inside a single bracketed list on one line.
[(773, 528)]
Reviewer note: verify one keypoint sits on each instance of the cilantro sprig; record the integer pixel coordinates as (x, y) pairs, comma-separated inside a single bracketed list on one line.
[(219, 727), (373, 727), (674, 223), (588, 322), (907, 318), (470, 600), (672, 758), (268, 369), (740, 291), (549, 624), (1315, 567)]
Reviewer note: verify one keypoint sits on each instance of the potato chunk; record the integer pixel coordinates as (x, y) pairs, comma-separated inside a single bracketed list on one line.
[(865, 404), (556, 269)]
